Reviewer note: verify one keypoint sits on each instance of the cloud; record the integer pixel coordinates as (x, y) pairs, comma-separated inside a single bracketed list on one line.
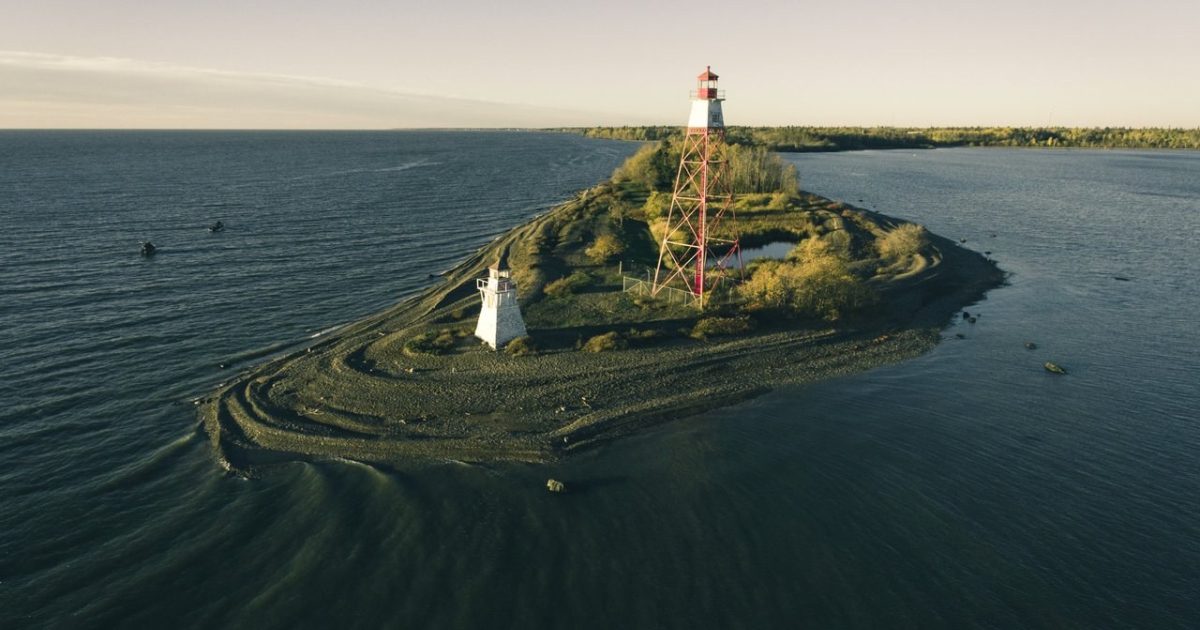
[(60, 91)]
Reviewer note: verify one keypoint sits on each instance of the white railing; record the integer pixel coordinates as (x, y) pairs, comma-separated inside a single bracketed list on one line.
[(670, 295)]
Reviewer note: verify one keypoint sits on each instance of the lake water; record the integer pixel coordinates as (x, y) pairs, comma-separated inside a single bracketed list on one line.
[(777, 250), (963, 488)]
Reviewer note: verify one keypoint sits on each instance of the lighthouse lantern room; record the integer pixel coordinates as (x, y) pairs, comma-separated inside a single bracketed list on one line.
[(706, 103)]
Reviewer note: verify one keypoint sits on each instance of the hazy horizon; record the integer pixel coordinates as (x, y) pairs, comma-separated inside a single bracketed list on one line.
[(469, 64)]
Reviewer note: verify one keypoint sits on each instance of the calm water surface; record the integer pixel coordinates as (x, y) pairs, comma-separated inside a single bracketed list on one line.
[(964, 488)]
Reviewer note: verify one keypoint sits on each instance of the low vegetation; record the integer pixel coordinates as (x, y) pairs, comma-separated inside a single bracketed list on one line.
[(853, 293), (568, 285), (904, 241), (822, 288), (605, 343), (570, 266), (605, 248), (431, 343), (721, 327), (521, 347)]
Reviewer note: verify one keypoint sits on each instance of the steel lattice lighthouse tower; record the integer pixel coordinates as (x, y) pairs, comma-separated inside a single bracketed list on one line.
[(692, 256)]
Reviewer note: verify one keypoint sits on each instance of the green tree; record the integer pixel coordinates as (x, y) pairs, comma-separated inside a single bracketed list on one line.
[(605, 248)]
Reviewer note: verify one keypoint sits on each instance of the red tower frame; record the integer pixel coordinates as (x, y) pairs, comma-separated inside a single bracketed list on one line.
[(690, 256)]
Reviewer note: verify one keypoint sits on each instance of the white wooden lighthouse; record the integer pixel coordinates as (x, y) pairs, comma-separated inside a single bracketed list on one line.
[(500, 319)]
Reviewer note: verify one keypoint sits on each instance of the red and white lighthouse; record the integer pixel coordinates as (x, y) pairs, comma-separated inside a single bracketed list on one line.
[(700, 242)]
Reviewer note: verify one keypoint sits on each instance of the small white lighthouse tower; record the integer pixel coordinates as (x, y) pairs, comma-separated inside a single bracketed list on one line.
[(500, 320)]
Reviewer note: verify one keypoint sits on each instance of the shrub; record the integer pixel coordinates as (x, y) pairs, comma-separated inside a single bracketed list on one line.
[(604, 343), (721, 327), (429, 343), (657, 205), (521, 346), (444, 339), (568, 285), (834, 245), (823, 288), (903, 241), (604, 248)]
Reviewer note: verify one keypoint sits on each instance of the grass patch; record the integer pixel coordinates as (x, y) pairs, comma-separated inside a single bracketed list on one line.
[(521, 347), (606, 342), (568, 285), (431, 343), (721, 327)]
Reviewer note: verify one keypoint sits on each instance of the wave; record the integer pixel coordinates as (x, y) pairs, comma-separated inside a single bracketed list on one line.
[(325, 331)]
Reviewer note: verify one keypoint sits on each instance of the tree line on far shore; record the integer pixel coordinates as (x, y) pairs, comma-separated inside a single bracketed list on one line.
[(802, 139)]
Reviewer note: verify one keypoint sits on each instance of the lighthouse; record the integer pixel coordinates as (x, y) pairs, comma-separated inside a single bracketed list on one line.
[(706, 113), (500, 319), (694, 255)]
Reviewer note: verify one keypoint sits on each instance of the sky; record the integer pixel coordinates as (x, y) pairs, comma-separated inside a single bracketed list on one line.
[(375, 64)]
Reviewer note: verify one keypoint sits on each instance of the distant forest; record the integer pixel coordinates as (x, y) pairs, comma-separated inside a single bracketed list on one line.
[(797, 139)]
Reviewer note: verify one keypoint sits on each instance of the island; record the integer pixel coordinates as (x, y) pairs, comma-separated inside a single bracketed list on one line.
[(826, 289)]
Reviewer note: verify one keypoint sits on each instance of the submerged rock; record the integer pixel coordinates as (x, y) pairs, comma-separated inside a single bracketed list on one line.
[(1054, 368), (554, 485), (1029, 345)]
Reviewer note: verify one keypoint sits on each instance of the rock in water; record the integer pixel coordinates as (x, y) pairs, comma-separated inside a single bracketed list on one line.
[(1054, 368), (1029, 345), (554, 485)]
